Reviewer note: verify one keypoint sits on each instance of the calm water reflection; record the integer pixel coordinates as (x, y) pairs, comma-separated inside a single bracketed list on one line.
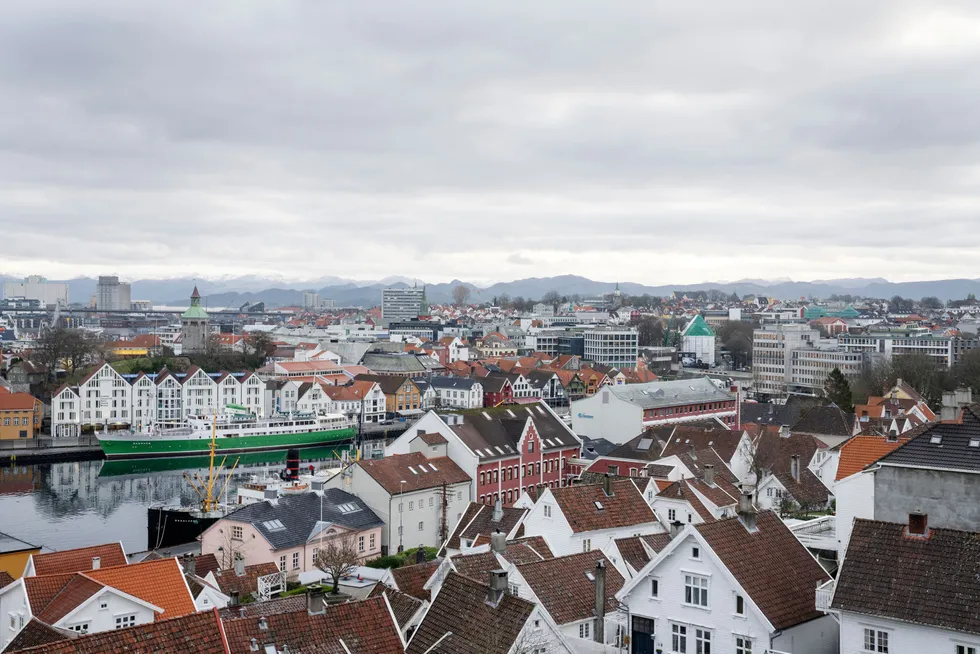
[(65, 505)]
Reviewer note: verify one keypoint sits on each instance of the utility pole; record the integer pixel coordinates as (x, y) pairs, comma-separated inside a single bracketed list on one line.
[(401, 511), (444, 534)]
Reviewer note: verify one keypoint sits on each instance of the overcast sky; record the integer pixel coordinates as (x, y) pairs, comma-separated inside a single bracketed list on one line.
[(656, 142)]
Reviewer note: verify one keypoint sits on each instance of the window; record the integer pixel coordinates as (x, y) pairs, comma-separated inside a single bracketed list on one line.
[(295, 560), (430, 502), (360, 543), (282, 563), (81, 628), (547, 510), (743, 645), (739, 605), (671, 515), (696, 553), (695, 590), (702, 641), (876, 641), (123, 621), (421, 526), (530, 446), (236, 532), (678, 638), (654, 588), (965, 649), (614, 470), (371, 542), (103, 604), (584, 630), (587, 545), (483, 478), (316, 554), (512, 589), (459, 496)]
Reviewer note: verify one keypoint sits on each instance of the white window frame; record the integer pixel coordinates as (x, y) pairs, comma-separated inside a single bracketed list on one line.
[(876, 640), (696, 590), (743, 645), (585, 630), (125, 621)]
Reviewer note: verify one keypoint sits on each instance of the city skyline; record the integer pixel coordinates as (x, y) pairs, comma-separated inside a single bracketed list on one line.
[(488, 143)]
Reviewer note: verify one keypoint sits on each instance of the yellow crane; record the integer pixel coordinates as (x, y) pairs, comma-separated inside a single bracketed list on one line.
[(205, 489)]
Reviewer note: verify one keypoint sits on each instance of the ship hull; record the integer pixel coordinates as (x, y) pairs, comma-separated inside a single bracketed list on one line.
[(171, 526), (148, 447)]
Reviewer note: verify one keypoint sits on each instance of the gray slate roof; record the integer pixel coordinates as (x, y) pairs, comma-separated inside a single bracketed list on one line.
[(951, 452), (669, 393), (382, 362), (299, 514), (455, 383)]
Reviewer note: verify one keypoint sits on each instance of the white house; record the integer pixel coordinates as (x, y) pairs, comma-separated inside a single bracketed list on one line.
[(418, 498), (799, 487), (743, 585), (457, 392), (590, 517), (907, 588)]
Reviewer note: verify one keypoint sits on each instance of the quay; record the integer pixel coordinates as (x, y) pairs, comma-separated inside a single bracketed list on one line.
[(50, 450)]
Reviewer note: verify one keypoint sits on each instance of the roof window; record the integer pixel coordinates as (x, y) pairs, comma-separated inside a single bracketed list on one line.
[(975, 442), (274, 525), (598, 505), (936, 439), (434, 469), (413, 470)]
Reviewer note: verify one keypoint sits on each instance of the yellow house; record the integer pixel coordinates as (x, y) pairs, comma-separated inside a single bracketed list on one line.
[(14, 554), (20, 415)]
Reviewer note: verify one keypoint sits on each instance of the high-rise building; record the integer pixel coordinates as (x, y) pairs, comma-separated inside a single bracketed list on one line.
[(612, 346), (311, 300), (792, 359), (38, 288), (112, 295), (194, 326), (401, 303)]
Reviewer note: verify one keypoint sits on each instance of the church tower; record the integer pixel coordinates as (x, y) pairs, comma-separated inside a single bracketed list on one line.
[(194, 326)]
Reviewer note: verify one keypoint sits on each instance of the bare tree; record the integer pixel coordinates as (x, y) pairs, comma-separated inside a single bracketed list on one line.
[(461, 293), (338, 558), (552, 298), (229, 550)]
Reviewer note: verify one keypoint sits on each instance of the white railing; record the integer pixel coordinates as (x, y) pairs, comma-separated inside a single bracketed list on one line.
[(820, 533), (268, 585), (824, 594)]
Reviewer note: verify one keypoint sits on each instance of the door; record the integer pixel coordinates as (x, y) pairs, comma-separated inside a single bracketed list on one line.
[(642, 636)]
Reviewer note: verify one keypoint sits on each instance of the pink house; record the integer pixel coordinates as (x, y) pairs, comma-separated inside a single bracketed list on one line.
[(290, 531)]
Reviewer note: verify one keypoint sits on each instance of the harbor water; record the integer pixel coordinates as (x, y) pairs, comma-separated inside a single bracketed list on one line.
[(64, 505)]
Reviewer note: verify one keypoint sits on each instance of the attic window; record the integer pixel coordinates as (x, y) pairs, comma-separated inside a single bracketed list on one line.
[(413, 470), (644, 444), (274, 525), (349, 507), (589, 575), (598, 505), (936, 439)]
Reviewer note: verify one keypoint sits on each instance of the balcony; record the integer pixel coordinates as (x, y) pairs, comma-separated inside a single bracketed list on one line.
[(818, 534), (824, 594)]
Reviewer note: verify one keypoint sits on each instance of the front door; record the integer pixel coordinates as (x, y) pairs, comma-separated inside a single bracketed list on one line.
[(641, 638)]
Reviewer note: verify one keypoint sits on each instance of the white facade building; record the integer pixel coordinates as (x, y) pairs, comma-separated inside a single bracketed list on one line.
[(112, 295), (457, 392), (38, 288), (612, 346), (401, 303)]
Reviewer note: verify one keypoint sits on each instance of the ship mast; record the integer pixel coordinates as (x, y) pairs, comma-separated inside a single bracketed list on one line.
[(209, 500)]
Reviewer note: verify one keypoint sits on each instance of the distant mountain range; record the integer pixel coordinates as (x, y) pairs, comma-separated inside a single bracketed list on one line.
[(235, 291)]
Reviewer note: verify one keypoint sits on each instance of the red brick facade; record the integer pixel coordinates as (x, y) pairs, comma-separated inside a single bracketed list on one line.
[(505, 478)]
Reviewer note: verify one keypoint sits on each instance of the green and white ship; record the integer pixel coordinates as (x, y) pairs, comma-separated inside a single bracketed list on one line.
[(236, 430)]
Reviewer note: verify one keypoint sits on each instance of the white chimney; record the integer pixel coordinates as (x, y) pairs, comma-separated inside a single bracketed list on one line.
[(96, 562), (239, 566), (498, 542), (498, 586), (498, 510), (794, 467), (709, 474)]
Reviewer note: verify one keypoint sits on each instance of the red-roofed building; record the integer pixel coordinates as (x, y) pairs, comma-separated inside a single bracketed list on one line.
[(20, 416)]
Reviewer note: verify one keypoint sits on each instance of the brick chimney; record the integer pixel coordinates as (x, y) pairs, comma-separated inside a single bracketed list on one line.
[(918, 524), (498, 586), (600, 601)]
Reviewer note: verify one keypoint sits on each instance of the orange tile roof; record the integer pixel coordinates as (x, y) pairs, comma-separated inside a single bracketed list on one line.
[(160, 583), (18, 402), (80, 559), (41, 590), (74, 593), (861, 451)]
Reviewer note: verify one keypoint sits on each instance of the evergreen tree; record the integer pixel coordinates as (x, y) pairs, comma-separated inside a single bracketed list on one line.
[(838, 390)]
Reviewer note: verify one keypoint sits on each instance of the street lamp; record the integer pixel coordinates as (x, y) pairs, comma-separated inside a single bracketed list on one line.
[(401, 511)]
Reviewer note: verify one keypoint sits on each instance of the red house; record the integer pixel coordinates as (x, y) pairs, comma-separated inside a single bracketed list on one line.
[(496, 389)]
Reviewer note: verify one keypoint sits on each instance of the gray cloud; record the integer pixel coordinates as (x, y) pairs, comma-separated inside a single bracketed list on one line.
[(754, 139)]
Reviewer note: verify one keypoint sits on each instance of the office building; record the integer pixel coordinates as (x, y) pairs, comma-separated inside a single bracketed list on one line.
[(945, 351), (401, 303), (37, 288), (612, 346), (311, 300), (112, 295), (792, 359)]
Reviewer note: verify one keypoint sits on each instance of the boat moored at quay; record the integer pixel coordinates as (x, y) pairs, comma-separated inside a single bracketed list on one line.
[(234, 432)]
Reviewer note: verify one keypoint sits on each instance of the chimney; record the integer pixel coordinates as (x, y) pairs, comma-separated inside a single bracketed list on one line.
[(893, 434), (794, 467), (498, 510), (96, 562), (746, 511), (498, 542), (241, 611), (675, 528), (693, 455), (239, 566), (784, 431), (190, 564), (498, 586), (600, 601), (709, 474), (253, 645), (314, 602), (420, 554), (263, 624), (607, 485), (918, 524)]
